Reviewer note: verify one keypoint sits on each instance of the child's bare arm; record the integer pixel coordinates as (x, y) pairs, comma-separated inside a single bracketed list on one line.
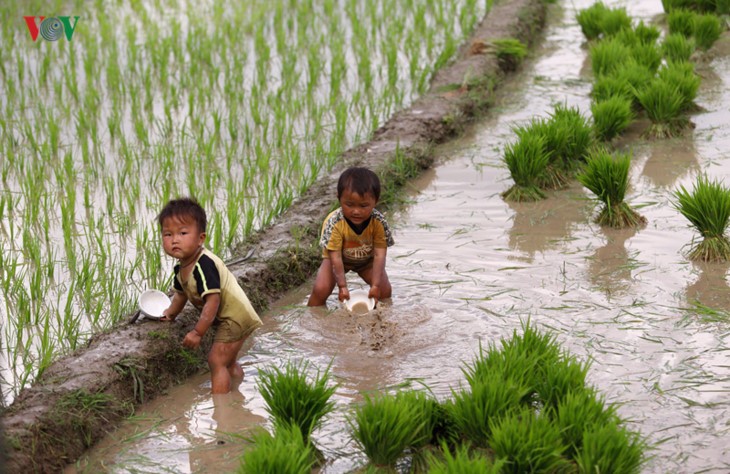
[(177, 305), (207, 316), (378, 270), (338, 268)]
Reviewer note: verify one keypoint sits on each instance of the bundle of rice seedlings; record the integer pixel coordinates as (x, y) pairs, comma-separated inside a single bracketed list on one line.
[(529, 443), (611, 117), (292, 400), (647, 34), (677, 47), (463, 461), (590, 20), (614, 20), (510, 53), (670, 5), (607, 56), (285, 453), (616, 84), (681, 21), (706, 29), (527, 160), (637, 76), (707, 208), (611, 448), (607, 177), (565, 376), (581, 411), (556, 137), (647, 55), (384, 428), (581, 134), (473, 411), (682, 75), (663, 102)]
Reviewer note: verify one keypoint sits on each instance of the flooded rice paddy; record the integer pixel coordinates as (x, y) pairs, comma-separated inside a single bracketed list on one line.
[(467, 268)]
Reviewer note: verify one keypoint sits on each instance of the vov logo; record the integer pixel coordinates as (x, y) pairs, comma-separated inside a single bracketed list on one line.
[(51, 28)]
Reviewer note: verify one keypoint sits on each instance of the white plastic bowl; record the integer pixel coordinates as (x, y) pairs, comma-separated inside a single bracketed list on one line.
[(152, 303), (359, 303)]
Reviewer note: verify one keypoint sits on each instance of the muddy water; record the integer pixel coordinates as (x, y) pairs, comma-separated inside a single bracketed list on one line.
[(468, 268)]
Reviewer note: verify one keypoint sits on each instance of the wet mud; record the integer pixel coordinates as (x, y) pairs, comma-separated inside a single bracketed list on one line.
[(469, 268)]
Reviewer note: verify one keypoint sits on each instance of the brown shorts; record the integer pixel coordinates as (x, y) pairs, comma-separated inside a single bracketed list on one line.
[(229, 330), (358, 267)]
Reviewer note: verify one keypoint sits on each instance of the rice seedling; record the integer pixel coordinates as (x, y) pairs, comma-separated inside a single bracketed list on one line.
[(706, 29), (591, 20), (607, 56), (528, 443), (614, 20), (682, 75), (581, 134), (510, 53), (560, 378), (647, 34), (707, 208), (384, 428), (611, 117), (669, 5), (647, 55), (677, 48), (292, 400), (287, 452), (681, 21), (607, 177), (527, 160), (663, 102), (605, 87), (611, 448), (557, 137), (462, 461), (580, 411)]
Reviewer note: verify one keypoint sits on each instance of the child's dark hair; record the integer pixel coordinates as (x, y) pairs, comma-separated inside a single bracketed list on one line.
[(359, 180), (184, 207)]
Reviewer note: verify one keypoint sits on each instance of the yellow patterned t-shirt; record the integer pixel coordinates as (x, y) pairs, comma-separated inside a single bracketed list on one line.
[(357, 248)]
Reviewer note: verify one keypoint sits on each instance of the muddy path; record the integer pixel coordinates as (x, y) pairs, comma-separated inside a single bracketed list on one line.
[(468, 268), (49, 424)]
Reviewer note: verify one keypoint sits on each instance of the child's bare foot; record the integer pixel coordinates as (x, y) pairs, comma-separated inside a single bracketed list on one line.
[(236, 372)]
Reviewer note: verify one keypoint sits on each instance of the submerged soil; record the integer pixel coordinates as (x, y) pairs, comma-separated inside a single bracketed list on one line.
[(82, 397), (469, 268)]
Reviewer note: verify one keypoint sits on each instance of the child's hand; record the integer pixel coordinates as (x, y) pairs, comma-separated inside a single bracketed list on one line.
[(374, 293), (166, 316), (192, 340), (343, 294)]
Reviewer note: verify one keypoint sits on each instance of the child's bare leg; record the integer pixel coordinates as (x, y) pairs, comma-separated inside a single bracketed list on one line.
[(323, 285), (385, 289), (221, 359)]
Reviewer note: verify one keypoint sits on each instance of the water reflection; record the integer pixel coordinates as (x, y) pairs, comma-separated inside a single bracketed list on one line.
[(610, 267), (543, 225), (670, 160), (711, 287)]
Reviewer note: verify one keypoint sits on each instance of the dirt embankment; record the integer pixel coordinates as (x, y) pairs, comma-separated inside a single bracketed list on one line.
[(84, 395)]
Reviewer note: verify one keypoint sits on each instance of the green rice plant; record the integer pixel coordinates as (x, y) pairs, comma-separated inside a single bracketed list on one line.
[(605, 87), (557, 139), (591, 20), (611, 448), (663, 102), (560, 378), (580, 411), (611, 117), (528, 442), (647, 34), (706, 29), (677, 47), (428, 410), (670, 5), (707, 208), (462, 461), (682, 75), (287, 452), (384, 428), (647, 55), (614, 20), (510, 53), (681, 21), (637, 76), (581, 134), (527, 160), (292, 400), (474, 410), (607, 177), (607, 56)]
